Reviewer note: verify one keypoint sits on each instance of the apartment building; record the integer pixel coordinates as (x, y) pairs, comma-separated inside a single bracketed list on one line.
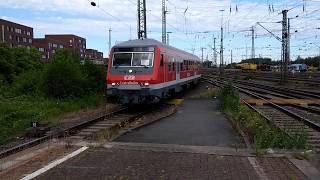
[(70, 41), (15, 35), (47, 47)]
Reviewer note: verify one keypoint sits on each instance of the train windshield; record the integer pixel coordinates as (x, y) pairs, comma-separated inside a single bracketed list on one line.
[(136, 59)]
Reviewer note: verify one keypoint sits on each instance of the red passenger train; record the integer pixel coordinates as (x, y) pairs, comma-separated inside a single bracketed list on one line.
[(146, 70)]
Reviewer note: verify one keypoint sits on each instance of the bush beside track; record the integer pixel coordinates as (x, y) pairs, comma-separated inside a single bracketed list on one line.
[(31, 90), (260, 133)]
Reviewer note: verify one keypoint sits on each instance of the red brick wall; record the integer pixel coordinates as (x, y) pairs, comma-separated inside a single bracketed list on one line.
[(15, 34), (71, 41)]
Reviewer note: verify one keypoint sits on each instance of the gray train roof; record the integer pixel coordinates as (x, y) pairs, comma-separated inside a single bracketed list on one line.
[(149, 42)]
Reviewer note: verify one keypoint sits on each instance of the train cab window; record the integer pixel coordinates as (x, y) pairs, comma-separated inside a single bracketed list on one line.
[(161, 60), (142, 59), (122, 59)]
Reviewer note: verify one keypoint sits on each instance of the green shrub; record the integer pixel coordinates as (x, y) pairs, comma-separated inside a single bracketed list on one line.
[(94, 75), (30, 82), (63, 78), (229, 98), (261, 134), (14, 61)]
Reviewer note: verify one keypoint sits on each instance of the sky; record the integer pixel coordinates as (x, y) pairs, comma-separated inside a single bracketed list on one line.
[(194, 23)]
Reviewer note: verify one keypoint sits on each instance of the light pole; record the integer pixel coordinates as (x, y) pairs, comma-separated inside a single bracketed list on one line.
[(168, 36), (221, 46)]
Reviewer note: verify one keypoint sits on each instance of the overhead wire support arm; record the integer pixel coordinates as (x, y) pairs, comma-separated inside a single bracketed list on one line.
[(278, 38)]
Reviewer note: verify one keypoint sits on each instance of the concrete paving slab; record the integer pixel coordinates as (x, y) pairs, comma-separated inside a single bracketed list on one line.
[(197, 122), (115, 163)]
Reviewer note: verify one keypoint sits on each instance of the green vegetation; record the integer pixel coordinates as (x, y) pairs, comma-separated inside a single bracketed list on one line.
[(33, 91), (261, 134), (209, 93), (310, 61)]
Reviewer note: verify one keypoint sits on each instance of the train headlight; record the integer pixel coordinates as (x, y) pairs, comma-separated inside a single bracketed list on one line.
[(113, 84), (146, 84)]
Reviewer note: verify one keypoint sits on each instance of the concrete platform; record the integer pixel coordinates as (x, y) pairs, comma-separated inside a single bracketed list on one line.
[(197, 122), (130, 162)]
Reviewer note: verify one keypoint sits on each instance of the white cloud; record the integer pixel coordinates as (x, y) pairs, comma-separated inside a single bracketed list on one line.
[(79, 17)]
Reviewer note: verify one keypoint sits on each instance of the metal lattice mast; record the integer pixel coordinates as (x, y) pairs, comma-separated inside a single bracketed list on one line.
[(214, 51), (252, 44), (164, 23), (142, 19), (221, 46), (285, 53)]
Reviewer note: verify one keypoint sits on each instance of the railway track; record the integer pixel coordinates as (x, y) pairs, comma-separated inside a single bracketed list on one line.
[(292, 120), (305, 78), (89, 129)]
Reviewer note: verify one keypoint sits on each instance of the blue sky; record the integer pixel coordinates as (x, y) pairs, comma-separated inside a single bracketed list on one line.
[(191, 30)]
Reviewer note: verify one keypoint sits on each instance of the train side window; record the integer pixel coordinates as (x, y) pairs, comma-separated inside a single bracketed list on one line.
[(161, 60)]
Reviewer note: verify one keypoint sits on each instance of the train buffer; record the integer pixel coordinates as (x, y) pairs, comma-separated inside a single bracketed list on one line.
[(283, 101)]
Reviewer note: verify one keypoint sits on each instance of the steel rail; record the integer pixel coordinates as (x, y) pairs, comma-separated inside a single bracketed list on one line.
[(66, 131)]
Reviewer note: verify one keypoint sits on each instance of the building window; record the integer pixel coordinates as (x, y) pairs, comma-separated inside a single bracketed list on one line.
[(54, 45), (24, 39), (60, 46), (79, 40), (17, 30), (53, 51), (43, 56), (28, 33), (41, 49), (11, 29), (49, 44), (30, 41), (10, 37)]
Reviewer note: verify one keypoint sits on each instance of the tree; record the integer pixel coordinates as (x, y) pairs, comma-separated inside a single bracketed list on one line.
[(63, 77), (26, 59), (6, 63)]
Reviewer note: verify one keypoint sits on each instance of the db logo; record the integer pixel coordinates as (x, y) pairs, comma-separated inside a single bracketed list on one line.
[(129, 77)]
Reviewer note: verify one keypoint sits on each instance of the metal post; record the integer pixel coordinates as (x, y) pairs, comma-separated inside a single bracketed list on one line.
[(221, 47), (231, 57), (109, 40), (164, 21), (289, 36), (252, 44), (168, 37), (142, 19), (284, 46), (214, 51), (202, 54), (246, 51)]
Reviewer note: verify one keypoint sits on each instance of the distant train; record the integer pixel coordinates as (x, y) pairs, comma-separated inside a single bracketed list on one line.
[(253, 67), (145, 70), (298, 67), (247, 66)]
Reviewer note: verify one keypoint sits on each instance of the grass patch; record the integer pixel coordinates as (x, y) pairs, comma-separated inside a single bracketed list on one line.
[(210, 93), (17, 113), (261, 134)]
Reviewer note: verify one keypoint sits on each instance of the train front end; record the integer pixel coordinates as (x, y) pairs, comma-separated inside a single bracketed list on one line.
[(131, 74)]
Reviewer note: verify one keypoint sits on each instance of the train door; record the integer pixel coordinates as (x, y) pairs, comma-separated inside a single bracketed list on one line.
[(162, 68), (177, 69)]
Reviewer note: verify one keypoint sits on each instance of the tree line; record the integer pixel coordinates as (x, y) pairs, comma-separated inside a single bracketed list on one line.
[(22, 71)]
